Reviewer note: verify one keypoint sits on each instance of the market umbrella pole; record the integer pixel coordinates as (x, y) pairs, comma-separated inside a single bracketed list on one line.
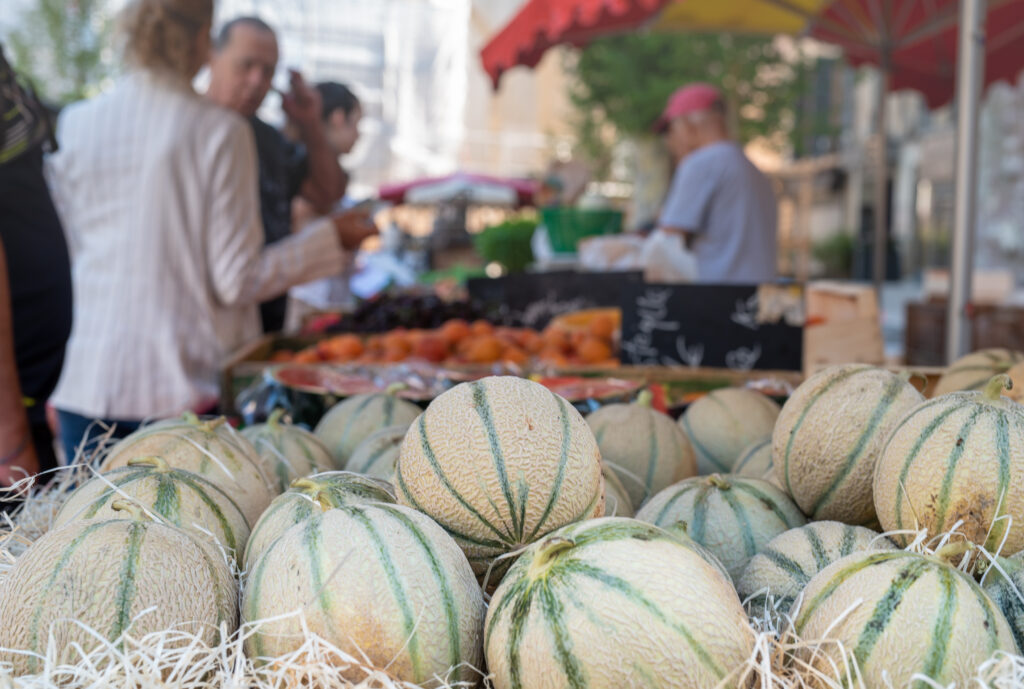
[(970, 73), (881, 203)]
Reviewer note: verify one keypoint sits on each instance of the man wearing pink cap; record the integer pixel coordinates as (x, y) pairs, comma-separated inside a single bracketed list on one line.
[(719, 202)]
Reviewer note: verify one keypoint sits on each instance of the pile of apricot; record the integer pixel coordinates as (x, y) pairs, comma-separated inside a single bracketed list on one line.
[(457, 342)]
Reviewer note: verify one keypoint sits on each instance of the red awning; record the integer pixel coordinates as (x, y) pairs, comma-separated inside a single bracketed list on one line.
[(914, 41), (542, 24)]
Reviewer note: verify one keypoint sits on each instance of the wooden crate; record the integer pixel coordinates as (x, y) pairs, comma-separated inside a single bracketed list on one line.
[(991, 326), (250, 361), (843, 326)]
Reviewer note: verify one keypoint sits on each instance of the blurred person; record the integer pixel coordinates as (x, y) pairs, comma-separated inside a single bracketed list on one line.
[(242, 67), (158, 191), (719, 203), (35, 284), (341, 113)]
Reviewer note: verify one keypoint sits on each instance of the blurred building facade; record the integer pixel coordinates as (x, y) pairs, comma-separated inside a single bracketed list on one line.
[(428, 108)]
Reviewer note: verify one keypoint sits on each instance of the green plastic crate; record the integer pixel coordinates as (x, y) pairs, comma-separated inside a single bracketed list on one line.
[(567, 226)]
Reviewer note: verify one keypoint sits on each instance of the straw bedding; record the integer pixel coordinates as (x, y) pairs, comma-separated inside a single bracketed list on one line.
[(176, 659)]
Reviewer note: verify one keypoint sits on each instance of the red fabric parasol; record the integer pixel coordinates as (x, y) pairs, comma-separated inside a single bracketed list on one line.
[(914, 41)]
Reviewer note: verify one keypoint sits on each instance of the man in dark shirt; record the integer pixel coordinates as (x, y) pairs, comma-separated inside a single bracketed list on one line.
[(241, 69), (35, 285)]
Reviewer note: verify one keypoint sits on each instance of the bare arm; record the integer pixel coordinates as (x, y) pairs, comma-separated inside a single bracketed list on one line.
[(326, 182), (17, 454), (685, 234)]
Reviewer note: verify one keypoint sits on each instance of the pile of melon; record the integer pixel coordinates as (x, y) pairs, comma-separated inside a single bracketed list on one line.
[(857, 535)]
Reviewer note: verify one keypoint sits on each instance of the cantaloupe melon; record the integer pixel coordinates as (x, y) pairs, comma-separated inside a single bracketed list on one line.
[(305, 497), (756, 462), (1003, 581), (104, 574), (498, 463), (899, 614), (378, 454), (610, 603), (180, 498), (786, 563), (830, 434), (351, 421), (288, 452), (972, 371), (724, 422), (645, 448), (616, 497), (380, 581), (733, 517), (957, 457), (208, 448)]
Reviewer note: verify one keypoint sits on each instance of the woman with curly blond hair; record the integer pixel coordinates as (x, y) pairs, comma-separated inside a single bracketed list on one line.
[(157, 190)]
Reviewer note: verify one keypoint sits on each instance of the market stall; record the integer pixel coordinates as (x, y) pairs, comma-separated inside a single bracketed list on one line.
[(537, 477)]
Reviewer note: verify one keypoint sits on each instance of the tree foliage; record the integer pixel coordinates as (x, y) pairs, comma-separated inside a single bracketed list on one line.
[(624, 80), (62, 46)]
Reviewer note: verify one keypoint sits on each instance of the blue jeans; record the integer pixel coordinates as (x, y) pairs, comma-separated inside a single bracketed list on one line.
[(85, 432)]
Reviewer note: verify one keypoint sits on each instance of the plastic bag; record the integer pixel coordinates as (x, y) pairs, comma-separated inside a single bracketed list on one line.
[(666, 259), (620, 252)]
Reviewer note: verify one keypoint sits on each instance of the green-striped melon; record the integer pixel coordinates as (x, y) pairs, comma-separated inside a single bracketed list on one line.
[(112, 576), (177, 497), (971, 372), (610, 603), (678, 531), (288, 452), (378, 454), (1003, 581), (957, 457), (305, 497), (382, 582), (787, 562), (724, 422), (645, 448), (499, 462), (898, 614), (616, 497), (756, 462), (209, 448), (352, 420), (830, 434), (731, 516)]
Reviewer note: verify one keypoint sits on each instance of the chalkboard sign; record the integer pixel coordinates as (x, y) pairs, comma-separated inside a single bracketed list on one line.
[(533, 299), (741, 327)]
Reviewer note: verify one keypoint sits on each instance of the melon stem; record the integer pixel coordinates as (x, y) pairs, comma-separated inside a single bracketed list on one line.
[(546, 555), (953, 550), (158, 463), (211, 426), (718, 481), (191, 417), (323, 500), (645, 398), (995, 386), (306, 485), (395, 388), (133, 510), (275, 418)]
